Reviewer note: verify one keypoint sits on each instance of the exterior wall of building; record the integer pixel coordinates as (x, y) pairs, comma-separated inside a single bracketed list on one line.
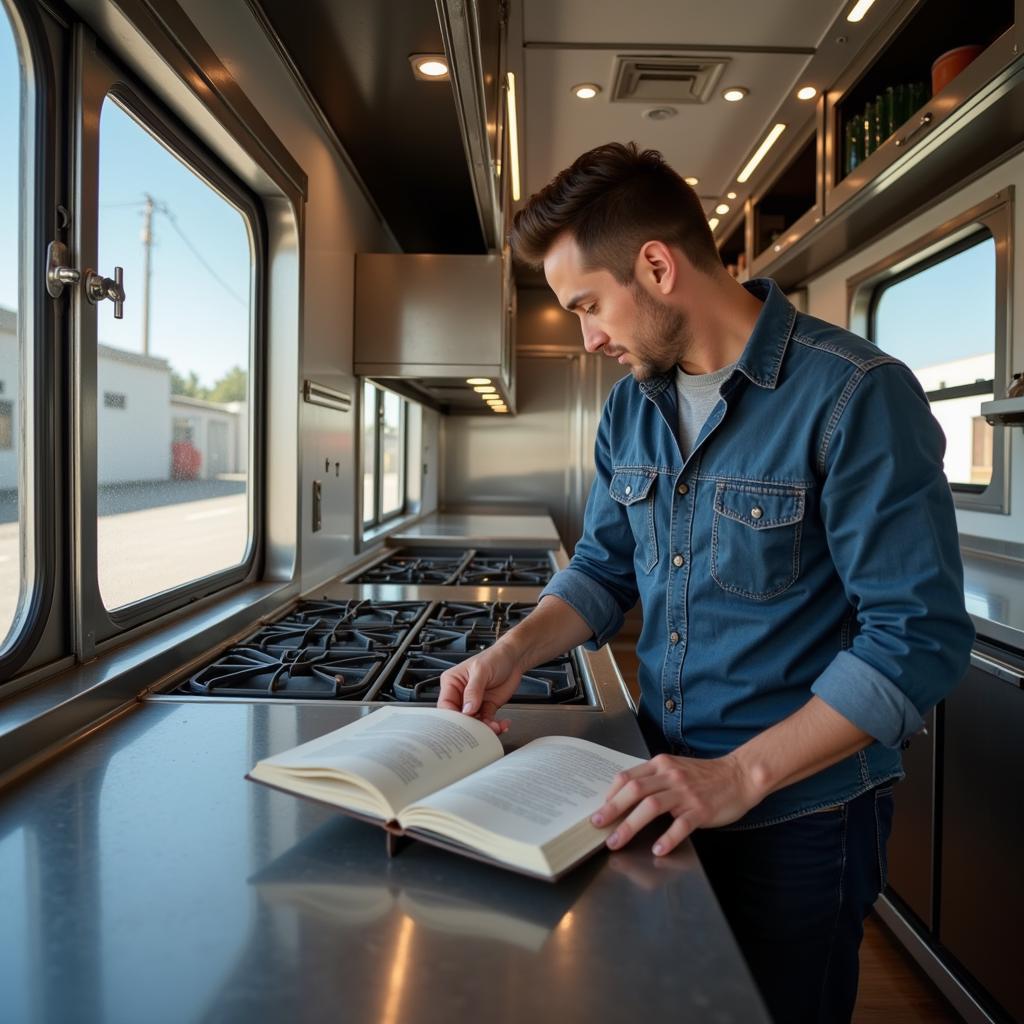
[(215, 432), (9, 405), (133, 418)]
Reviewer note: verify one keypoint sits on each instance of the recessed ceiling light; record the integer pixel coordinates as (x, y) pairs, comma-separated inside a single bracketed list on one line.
[(730, 195), (713, 223), (585, 90), (692, 182), (860, 8), (722, 208), (429, 67), (735, 93), (808, 92), (478, 380), (494, 400), (485, 389)]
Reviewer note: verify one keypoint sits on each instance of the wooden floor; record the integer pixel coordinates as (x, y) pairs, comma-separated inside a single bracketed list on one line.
[(893, 989)]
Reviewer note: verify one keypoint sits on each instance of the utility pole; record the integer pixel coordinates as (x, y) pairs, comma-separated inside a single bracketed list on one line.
[(147, 247)]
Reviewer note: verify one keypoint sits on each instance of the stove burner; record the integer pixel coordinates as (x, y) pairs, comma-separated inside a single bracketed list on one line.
[(296, 674), (405, 568), (357, 613), (493, 614), (459, 639), (524, 569), (419, 681), (290, 634)]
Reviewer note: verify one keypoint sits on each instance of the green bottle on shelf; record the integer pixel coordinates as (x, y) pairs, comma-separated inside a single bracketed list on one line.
[(854, 144), (868, 121)]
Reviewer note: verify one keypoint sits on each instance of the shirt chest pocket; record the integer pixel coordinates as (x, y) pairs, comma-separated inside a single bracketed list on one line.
[(634, 489), (755, 540)]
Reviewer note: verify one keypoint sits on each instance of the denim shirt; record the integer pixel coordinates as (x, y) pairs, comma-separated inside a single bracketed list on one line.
[(808, 545)]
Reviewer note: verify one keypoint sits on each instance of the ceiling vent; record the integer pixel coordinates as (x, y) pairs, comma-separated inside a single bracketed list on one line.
[(672, 78)]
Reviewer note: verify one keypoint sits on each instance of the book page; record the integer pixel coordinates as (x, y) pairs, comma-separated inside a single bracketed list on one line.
[(532, 795), (404, 753)]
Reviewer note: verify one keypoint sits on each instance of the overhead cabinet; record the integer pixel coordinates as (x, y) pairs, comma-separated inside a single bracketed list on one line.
[(433, 322), (883, 143)]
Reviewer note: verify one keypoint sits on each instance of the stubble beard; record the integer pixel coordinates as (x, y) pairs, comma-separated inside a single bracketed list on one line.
[(662, 337)]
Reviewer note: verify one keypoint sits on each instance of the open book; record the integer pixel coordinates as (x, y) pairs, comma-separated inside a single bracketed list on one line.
[(444, 778)]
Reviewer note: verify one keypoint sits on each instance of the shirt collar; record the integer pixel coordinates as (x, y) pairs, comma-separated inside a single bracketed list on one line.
[(762, 358)]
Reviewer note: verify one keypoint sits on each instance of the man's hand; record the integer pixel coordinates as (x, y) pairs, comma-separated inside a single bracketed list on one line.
[(697, 793), (480, 685)]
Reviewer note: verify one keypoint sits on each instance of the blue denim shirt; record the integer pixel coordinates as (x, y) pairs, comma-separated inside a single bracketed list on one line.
[(808, 545)]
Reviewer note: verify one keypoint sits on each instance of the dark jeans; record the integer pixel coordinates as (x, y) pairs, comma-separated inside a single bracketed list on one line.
[(796, 895)]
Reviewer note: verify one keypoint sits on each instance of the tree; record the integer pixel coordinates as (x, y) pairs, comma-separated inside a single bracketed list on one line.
[(190, 386), (232, 387)]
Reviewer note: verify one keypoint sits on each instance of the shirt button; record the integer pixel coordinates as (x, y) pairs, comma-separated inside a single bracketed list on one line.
[(757, 511), (673, 637), (678, 560), (682, 488), (670, 705)]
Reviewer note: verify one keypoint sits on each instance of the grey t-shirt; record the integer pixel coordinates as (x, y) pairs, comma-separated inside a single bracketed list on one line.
[(697, 395)]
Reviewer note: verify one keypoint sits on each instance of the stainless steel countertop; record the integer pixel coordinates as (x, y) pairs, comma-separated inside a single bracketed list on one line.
[(994, 593), (142, 878), (469, 529)]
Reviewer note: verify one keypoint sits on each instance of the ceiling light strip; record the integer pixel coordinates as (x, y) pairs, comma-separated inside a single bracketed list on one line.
[(513, 135), (860, 8), (770, 139)]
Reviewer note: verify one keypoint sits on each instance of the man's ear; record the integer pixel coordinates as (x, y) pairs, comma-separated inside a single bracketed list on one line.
[(656, 265)]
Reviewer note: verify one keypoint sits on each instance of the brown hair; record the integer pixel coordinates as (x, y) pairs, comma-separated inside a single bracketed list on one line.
[(613, 199)]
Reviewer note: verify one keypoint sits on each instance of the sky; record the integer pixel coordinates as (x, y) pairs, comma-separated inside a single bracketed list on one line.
[(199, 298)]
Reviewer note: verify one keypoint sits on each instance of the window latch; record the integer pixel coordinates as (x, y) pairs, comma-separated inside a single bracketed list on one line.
[(97, 287)]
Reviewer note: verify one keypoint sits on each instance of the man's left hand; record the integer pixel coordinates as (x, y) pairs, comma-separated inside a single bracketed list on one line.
[(697, 793)]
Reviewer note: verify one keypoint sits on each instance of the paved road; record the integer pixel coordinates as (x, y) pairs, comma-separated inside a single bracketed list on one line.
[(152, 547)]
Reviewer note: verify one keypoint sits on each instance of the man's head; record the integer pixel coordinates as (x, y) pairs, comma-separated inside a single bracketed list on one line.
[(620, 236)]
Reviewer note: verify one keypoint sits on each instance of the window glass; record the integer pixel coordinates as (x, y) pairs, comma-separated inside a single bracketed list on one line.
[(12, 102), (174, 376), (941, 321), (392, 439), (369, 455)]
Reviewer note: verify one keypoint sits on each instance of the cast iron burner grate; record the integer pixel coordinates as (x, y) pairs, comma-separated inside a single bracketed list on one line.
[(495, 615), (357, 614), (419, 681), (406, 568), (528, 570), (458, 639), (291, 635), (308, 673)]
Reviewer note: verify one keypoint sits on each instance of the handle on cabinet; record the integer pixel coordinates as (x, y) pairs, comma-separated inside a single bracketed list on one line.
[(926, 119), (997, 669)]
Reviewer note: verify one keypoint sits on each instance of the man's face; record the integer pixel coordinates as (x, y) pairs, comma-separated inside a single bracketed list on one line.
[(622, 321)]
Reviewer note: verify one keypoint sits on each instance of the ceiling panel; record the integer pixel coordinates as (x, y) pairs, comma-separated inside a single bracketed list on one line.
[(708, 140), (737, 23), (402, 134)]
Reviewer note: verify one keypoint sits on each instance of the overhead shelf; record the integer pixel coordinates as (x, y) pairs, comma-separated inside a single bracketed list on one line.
[(1004, 412)]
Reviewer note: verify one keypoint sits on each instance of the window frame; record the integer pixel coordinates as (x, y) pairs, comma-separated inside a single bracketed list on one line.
[(95, 625), (379, 522), (32, 629), (993, 218)]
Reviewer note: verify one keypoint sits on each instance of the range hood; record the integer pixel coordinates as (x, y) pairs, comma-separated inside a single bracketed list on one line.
[(428, 323)]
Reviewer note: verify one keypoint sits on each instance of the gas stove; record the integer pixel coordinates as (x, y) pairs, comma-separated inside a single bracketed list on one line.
[(478, 567), (518, 568), (387, 651), (320, 650)]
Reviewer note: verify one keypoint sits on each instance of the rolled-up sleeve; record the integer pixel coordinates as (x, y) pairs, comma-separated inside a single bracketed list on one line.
[(888, 513), (600, 581)]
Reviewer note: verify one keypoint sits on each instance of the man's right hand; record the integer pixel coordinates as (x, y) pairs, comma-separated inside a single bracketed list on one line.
[(480, 685)]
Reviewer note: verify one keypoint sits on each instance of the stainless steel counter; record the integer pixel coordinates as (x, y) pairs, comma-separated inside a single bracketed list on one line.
[(478, 529), (994, 592), (142, 878)]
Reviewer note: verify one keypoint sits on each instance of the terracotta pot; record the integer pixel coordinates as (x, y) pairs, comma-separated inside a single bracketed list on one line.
[(950, 64)]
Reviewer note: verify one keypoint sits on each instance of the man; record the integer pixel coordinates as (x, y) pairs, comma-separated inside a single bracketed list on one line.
[(770, 486)]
